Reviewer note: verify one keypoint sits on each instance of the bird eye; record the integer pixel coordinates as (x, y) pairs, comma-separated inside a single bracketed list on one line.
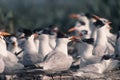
[(104, 21), (84, 32), (4, 38)]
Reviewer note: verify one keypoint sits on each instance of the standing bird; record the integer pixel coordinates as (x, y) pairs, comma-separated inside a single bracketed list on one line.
[(87, 57), (84, 26), (58, 59), (14, 48), (30, 54), (10, 60), (101, 48), (44, 46), (97, 69), (83, 23), (110, 37)]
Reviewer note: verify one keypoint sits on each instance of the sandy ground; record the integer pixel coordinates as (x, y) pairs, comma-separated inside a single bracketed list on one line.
[(112, 75)]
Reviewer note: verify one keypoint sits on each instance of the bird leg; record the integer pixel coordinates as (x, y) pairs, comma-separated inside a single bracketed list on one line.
[(60, 76)]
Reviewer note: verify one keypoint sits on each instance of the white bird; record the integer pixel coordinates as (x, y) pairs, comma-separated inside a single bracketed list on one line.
[(85, 27), (4, 52), (96, 70), (58, 59), (81, 47), (100, 48), (111, 38), (30, 54), (83, 23), (87, 57), (14, 48), (44, 47), (10, 60)]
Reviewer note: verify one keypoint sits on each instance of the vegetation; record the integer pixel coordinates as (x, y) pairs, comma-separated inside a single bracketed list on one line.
[(40, 13)]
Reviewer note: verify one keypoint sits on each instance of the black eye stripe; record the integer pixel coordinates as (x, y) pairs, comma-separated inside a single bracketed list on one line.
[(89, 41), (99, 23), (61, 35), (82, 23)]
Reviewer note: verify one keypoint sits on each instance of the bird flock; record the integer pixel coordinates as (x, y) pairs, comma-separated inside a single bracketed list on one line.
[(45, 50)]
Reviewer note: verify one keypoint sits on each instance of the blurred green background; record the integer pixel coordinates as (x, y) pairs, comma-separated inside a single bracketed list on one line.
[(32, 14)]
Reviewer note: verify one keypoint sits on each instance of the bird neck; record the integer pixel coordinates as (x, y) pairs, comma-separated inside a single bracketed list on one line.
[(93, 30), (52, 41), (44, 47), (62, 46), (37, 42), (30, 45), (87, 53), (101, 36)]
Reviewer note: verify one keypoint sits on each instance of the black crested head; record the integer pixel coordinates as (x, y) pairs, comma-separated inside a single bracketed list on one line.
[(61, 35), (53, 28), (46, 31), (7, 38), (81, 22), (88, 15), (37, 30), (98, 23), (106, 57), (89, 41), (27, 32)]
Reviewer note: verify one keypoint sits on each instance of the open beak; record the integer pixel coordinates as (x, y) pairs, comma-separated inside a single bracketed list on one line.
[(74, 16), (4, 33), (21, 37), (73, 38), (96, 17), (72, 29)]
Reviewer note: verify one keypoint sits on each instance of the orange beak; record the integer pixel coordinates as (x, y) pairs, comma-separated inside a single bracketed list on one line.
[(80, 34), (109, 28), (73, 38), (74, 16), (96, 17), (4, 33), (72, 29), (35, 36), (21, 37), (109, 22)]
